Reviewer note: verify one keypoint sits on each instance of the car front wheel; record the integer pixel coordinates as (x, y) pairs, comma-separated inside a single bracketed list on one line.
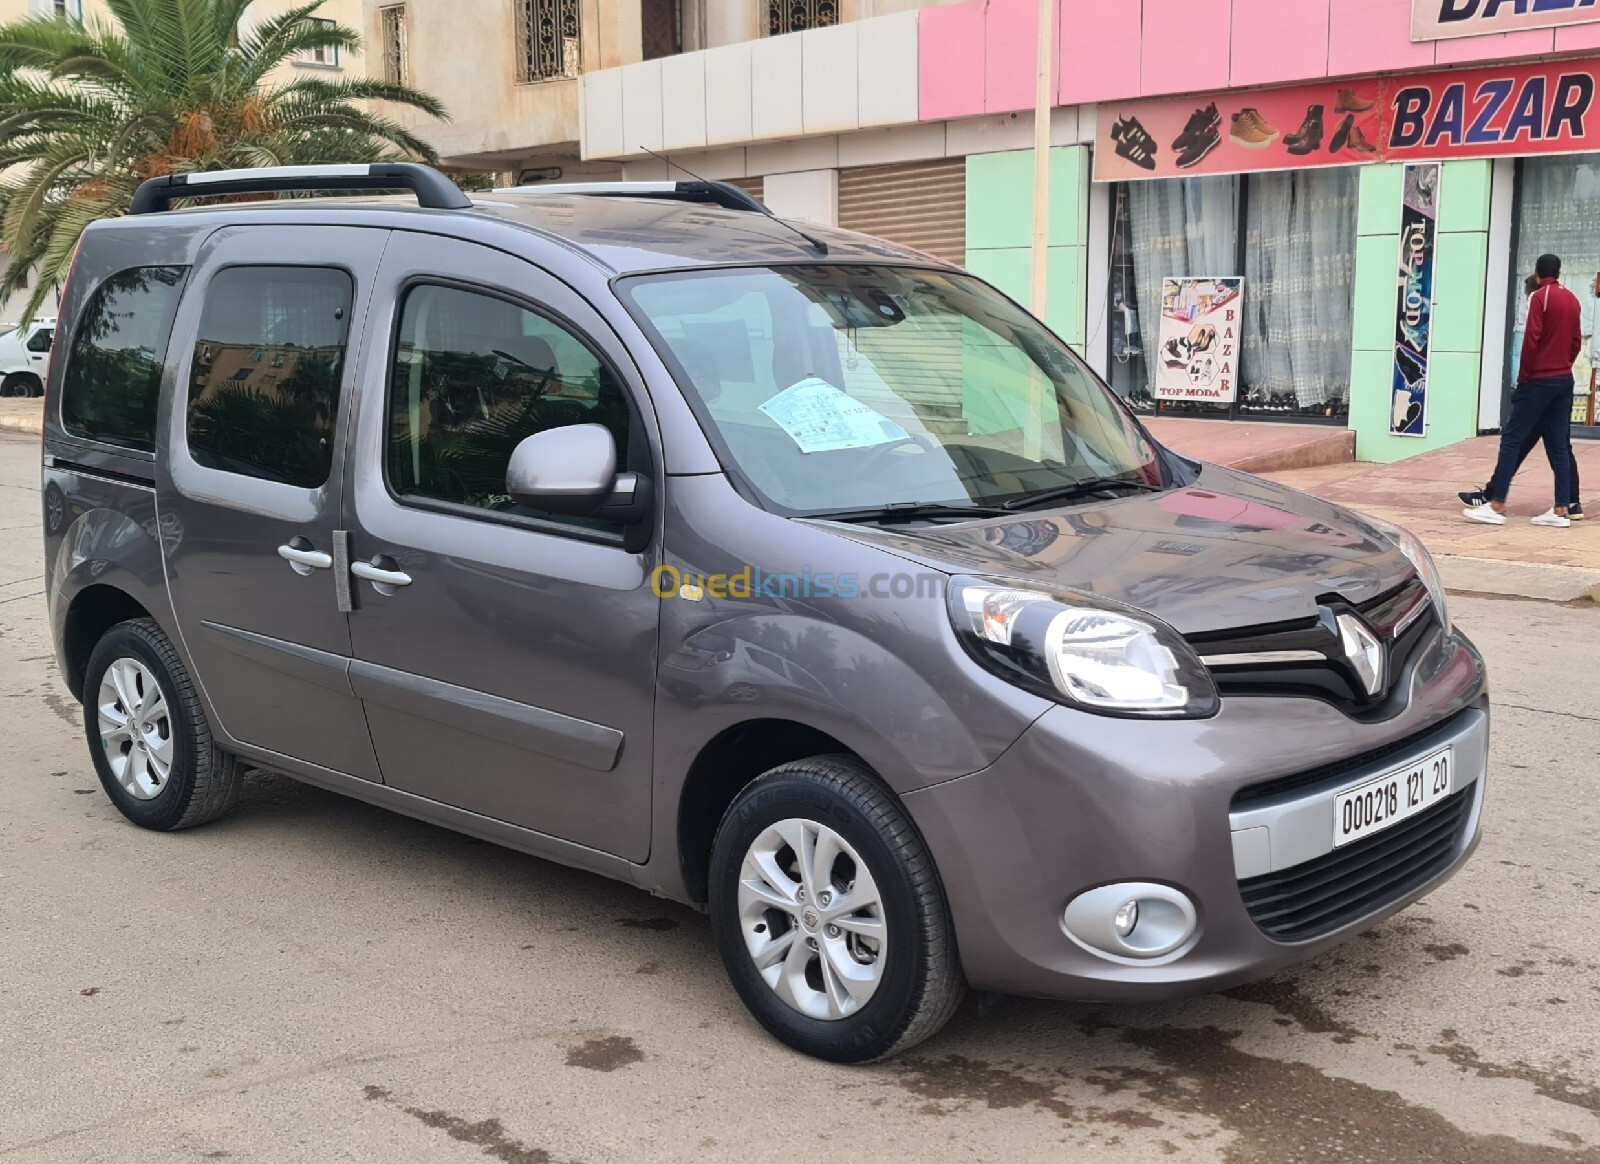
[(829, 914)]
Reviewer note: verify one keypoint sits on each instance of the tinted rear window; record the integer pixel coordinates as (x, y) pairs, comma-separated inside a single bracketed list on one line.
[(113, 377), (264, 390)]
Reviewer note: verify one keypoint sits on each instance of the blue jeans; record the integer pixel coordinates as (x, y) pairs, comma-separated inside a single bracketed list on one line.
[(1539, 409)]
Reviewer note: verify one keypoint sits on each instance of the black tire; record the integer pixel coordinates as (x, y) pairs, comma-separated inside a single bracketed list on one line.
[(922, 983), (202, 781), (21, 384)]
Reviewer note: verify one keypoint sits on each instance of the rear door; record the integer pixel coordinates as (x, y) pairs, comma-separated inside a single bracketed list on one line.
[(266, 346), (509, 666)]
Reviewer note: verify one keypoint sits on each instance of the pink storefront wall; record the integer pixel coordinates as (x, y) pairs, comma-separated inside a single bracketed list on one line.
[(977, 57)]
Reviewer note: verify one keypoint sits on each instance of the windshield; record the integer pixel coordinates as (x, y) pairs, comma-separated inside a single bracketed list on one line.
[(832, 389)]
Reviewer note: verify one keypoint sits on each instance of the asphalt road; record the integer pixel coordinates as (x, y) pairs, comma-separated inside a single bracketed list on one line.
[(311, 979)]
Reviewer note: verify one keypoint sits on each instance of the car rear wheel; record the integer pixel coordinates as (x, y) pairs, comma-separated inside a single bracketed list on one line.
[(829, 914), (148, 733)]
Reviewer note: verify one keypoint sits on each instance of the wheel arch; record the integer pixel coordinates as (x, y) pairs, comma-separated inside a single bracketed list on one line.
[(92, 612), (724, 766)]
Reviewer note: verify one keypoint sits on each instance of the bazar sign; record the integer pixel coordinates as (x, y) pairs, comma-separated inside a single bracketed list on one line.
[(1443, 19), (1543, 108)]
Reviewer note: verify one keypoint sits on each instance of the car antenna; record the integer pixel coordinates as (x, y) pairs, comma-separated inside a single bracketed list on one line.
[(815, 244)]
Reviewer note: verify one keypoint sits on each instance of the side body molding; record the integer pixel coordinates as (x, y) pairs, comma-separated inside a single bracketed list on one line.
[(549, 733)]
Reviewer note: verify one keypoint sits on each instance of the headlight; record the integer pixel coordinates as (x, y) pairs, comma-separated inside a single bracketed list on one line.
[(1081, 650), (1411, 546)]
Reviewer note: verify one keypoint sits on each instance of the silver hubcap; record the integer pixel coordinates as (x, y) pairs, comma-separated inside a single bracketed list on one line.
[(135, 728), (812, 919)]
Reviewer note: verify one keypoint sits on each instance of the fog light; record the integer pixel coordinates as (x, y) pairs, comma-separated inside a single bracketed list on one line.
[(1131, 920)]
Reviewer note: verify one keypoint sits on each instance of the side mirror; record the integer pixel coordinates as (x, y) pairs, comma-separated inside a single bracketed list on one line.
[(572, 470)]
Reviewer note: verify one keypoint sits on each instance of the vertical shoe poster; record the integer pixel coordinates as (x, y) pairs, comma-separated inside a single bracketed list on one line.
[(1199, 356), (1419, 236)]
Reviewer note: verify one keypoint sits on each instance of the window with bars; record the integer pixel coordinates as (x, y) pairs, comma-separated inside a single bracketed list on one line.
[(797, 15), (548, 43), (392, 38), (328, 55)]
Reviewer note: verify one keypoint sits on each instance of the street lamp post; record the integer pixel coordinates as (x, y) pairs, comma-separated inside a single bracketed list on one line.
[(1043, 99)]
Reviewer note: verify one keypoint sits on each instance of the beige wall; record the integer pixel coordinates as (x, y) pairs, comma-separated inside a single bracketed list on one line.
[(463, 52)]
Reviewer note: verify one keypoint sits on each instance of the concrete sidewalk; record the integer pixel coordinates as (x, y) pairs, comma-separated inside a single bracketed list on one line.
[(25, 416)]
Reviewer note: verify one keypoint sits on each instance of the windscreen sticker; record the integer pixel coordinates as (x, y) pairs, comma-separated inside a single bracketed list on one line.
[(821, 418)]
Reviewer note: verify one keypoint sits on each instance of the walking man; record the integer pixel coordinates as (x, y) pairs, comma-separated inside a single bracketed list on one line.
[(1476, 497), (1542, 403)]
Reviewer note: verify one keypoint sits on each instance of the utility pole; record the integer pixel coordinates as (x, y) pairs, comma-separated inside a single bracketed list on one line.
[(1043, 99)]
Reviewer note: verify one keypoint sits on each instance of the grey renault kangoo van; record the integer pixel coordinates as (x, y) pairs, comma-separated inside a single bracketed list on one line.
[(772, 568)]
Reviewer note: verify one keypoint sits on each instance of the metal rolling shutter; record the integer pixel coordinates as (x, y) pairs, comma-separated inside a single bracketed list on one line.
[(918, 204), (755, 187)]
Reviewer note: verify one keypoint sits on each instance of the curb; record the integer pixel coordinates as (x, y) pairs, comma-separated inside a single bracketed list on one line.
[(1494, 578), (31, 425)]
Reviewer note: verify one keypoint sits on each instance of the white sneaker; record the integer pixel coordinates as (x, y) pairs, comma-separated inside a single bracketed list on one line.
[(1485, 515), (1553, 519)]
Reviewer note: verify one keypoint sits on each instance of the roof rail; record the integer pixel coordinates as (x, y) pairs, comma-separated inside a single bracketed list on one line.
[(433, 189), (723, 194)]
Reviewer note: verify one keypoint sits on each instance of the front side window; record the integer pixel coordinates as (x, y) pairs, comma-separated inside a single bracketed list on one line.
[(835, 388), (41, 340), (473, 375), (113, 377), (282, 431)]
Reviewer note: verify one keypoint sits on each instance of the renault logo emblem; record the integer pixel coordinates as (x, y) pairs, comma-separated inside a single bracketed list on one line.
[(1363, 651)]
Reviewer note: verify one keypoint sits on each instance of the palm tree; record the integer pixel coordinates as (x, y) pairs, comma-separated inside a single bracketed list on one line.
[(87, 112)]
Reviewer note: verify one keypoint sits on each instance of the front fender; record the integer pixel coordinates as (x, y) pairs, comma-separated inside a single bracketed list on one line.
[(795, 667)]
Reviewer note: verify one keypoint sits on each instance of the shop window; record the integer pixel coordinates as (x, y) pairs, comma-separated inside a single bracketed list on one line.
[(797, 15), (1560, 215), (1291, 235), (547, 39)]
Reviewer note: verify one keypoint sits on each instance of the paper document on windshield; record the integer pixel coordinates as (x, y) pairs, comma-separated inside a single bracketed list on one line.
[(821, 418)]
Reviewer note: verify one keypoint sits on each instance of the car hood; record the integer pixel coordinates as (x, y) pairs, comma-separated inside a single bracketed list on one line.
[(1227, 552)]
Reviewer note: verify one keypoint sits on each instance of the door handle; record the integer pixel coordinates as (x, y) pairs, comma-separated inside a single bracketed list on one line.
[(303, 559), (383, 581)]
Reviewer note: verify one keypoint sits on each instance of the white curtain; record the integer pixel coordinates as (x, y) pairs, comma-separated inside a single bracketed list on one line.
[(1299, 288), (1560, 216), (1185, 227)]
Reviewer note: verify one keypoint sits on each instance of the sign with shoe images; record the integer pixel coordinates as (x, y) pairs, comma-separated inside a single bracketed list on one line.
[(1445, 19), (1199, 356), (1413, 328), (1512, 110)]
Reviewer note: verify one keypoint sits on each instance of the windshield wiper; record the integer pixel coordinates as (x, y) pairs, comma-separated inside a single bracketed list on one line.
[(911, 511), (1079, 489)]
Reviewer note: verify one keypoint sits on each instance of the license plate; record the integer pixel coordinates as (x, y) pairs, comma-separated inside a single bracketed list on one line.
[(1374, 806)]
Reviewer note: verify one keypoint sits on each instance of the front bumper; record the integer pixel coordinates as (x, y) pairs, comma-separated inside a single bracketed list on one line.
[(1082, 800)]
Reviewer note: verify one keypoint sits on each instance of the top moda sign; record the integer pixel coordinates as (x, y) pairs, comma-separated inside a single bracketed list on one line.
[(1442, 19), (1510, 110)]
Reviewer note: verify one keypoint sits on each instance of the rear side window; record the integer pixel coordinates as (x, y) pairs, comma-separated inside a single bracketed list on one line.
[(113, 377), (264, 385)]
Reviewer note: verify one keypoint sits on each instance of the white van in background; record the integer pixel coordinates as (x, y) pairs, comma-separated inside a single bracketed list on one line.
[(25, 357)]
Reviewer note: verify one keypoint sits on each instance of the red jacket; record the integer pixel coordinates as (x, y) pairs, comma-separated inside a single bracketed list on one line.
[(1554, 337)]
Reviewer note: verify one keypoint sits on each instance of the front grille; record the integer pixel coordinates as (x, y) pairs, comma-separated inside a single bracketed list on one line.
[(1321, 895), (1272, 789)]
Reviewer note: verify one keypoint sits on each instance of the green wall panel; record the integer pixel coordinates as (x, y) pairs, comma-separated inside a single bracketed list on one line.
[(1452, 405), (1000, 198), (1461, 273), (1464, 195), (1377, 268), (1011, 270), (1381, 190)]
